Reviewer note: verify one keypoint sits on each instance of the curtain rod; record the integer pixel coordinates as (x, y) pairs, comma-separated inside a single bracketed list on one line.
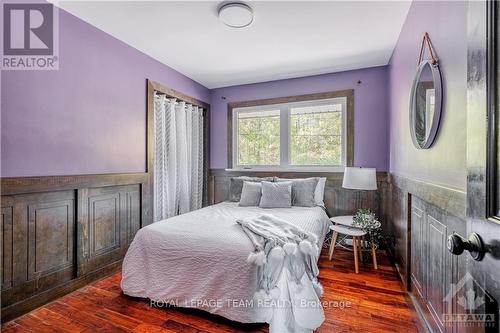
[(179, 99)]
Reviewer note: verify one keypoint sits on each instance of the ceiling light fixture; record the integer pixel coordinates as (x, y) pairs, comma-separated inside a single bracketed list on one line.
[(236, 14)]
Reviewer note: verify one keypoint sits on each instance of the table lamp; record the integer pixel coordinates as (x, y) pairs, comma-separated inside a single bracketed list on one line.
[(360, 178)]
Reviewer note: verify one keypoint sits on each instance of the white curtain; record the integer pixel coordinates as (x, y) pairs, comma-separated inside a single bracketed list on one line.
[(178, 174)]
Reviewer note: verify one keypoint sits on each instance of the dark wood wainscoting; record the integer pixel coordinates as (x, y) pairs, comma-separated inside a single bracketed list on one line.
[(338, 201), (59, 233), (422, 216)]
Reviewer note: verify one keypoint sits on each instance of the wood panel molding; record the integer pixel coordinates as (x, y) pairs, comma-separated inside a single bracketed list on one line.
[(104, 233), (15, 310), (57, 231), (381, 175), (7, 237), (18, 185), (422, 216), (417, 246), (50, 236), (436, 269), (450, 200)]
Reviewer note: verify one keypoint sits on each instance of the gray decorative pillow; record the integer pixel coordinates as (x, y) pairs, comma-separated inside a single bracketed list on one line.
[(276, 195), (236, 186), (303, 190), (251, 193)]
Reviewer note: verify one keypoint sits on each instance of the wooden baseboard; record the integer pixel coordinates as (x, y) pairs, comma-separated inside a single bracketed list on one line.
[(426, 327), (392, 257), (15, 310), (410, 299)]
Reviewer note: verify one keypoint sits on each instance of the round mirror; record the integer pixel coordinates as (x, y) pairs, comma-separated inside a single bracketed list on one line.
[(425, 105)]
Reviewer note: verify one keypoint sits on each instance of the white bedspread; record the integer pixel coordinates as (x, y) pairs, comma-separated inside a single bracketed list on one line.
[(199, 259)]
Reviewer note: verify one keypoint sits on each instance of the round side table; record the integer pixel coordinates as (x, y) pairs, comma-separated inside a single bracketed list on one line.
[(357, 243)]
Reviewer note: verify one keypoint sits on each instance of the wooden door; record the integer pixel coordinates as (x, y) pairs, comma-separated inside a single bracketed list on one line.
[(480, 287)]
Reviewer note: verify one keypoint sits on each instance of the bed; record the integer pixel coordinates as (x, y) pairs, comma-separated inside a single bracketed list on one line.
[(198, 259)]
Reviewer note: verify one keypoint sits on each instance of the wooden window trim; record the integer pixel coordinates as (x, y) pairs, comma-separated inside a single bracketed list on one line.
[(349, 94)]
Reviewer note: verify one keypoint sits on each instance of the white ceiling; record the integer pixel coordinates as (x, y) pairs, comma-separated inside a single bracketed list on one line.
[(286, 39)]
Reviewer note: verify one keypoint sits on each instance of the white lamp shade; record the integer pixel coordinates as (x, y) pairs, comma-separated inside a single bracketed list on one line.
[(360, 178)]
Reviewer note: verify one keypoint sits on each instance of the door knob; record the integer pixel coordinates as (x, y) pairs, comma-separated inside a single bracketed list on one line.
[(457, 244)]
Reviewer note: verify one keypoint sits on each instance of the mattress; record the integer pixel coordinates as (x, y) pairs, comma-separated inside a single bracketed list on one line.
[(198, 259)]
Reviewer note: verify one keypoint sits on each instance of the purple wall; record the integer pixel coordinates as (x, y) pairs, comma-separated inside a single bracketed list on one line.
[(445, 162), (90, 115), (371, 139)]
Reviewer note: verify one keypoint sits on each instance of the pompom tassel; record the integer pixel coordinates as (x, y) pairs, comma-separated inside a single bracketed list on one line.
[(316, 249), (251, 257), (296, 286), (290, 248), (318, 288), (257, 258), (306, 247), (312, 238), (314, 241), (276, 254), (260, 295), (275, 293)]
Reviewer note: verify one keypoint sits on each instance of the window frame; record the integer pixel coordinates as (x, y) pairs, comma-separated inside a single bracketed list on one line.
[(284, 104)]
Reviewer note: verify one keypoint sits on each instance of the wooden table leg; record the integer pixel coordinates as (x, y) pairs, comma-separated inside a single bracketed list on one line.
[(355, 248), (361, 246), (374, 256), (332, 244)]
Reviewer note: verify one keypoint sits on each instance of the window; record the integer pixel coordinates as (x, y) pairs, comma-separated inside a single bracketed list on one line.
[(258, 137), (294, 134)]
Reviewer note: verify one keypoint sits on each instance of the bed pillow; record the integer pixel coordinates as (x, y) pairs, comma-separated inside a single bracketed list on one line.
[(250, 194), (276, 195), (319, 193), (303, 190), (236, 186)]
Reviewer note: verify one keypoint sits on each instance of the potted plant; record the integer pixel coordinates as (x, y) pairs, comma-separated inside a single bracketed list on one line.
[(366, 220)]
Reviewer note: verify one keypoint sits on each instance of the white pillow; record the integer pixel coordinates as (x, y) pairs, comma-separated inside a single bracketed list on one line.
[(319, 193)]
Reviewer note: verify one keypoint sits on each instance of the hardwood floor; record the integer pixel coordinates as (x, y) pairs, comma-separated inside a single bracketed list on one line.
[(373, 301)]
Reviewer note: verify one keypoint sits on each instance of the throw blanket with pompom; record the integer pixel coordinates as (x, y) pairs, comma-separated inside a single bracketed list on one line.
[(287, 272)]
